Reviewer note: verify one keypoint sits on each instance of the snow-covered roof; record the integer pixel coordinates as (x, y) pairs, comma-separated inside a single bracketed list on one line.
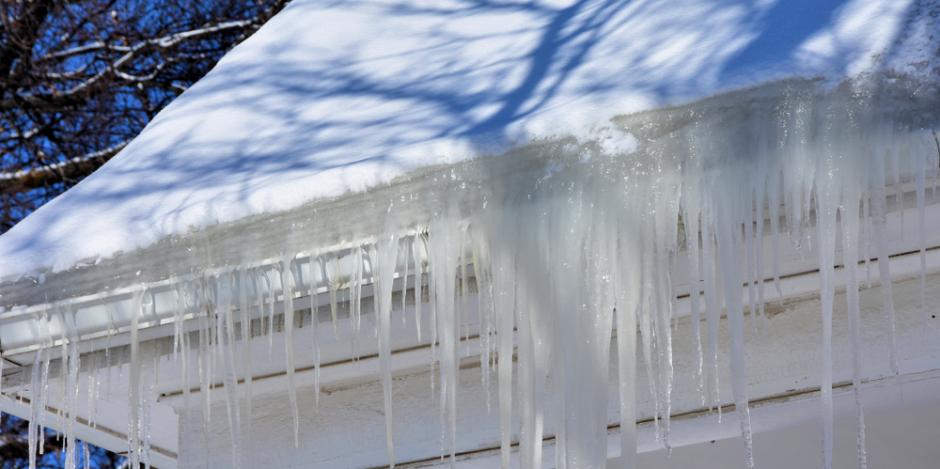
[(333, 97)]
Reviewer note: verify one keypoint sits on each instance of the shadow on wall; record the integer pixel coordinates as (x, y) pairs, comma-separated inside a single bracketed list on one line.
[(337, 96)]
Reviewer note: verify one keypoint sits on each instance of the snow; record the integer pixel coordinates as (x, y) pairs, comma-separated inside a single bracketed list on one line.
[(330, 98)]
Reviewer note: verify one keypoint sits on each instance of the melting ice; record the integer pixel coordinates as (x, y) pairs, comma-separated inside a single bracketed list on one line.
[(571, 258)]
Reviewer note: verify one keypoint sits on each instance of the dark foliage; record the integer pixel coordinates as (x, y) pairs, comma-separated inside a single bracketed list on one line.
[(14, 449), (79, 79)]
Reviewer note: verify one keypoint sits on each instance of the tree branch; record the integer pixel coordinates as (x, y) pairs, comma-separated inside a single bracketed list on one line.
[(73, 168), (77, 76)]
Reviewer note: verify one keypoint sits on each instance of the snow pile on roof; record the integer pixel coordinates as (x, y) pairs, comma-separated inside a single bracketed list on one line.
[(334, 97)]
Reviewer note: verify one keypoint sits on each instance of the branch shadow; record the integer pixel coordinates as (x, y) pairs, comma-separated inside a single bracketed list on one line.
[(334, 97)]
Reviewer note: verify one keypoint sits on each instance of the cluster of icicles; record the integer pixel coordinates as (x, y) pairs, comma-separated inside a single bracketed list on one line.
[(567, 266)]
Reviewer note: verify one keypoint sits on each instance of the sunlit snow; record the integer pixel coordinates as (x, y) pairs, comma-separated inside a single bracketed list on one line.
[(333, 97)]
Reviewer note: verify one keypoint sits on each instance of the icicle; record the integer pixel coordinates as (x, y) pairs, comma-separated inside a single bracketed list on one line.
[(287, 290), (183, 297), (504, 279), (90, 381), (485, 305), (662, 335), (435, 345), (750, 272), (850, 235), (178, 313), (464, 284), (418, 281), (726, 238), (404, 282), (879, 223), (133, 433), (646, 326), (627, 286), (529, 439), (355, 298), (265, 285), (202, 308), (244, 306), (267, 324), (384, 256), (146, 406), (45, 334), (826, 227), (759, 195), (315, 262), (712, 312), (178, 330), (71, 364), (35, 402), (225, 317), (107, 348), (581, 327), (204, 357), (63, 398), (443, 254), (333, 286), (773, 212), (540, 351)]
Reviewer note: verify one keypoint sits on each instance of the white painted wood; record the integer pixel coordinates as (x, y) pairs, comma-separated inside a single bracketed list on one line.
[(348, 431)]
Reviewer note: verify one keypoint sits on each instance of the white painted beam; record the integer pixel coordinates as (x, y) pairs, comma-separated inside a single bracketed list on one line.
[(349, 429)]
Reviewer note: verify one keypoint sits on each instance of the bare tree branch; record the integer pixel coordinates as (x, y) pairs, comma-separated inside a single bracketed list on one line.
[(61, 170), (80, 78)]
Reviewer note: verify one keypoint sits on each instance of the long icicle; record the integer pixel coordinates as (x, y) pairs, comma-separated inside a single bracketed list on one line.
[(731, 280), (134, 383), (416, 251), (627, 285), (826, 237), (384, 255), (316, 265), (850, 248), (443, 254), (879, 229), (35, 401), (503, 275), (225, 316), (244, 306), (287, 290)]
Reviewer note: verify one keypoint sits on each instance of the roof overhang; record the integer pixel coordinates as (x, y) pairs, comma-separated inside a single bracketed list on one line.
[(100, 297)]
